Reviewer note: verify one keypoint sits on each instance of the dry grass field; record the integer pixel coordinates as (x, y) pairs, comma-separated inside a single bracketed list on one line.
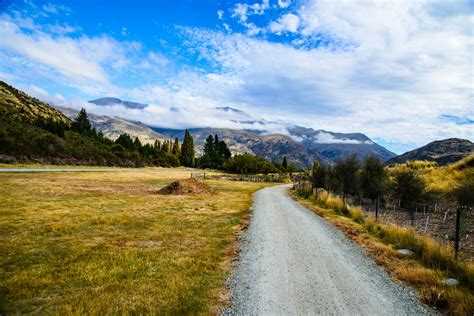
[(106, 243)]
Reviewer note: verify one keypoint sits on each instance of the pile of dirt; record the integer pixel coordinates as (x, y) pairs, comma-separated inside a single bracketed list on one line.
[(186, 186)]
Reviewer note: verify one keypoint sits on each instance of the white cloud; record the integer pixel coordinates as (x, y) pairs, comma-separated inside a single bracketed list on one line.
[(391, 76), (55, 9), (38, 91), (326, 138), (284, 4), (244, 10), (287, 23), (220, 14), (80, 58)]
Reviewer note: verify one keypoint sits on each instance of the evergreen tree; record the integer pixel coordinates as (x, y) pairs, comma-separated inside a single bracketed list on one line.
[(346, 175), (209, 145), (176, 150), (216, 141), (284, 163), (126, 141), (157, 145), (408, 187), (137, 143), (373, 180), (187, 150), (81, 123), (319, 175), (223, 150)]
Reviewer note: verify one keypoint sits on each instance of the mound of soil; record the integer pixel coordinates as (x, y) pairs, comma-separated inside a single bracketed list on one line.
[(186, 186)]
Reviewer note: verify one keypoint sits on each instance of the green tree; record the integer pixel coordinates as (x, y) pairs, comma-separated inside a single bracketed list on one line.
[(187, 150), (137, 143), (319, 175), (373, 180), (209, 144), (81, 123), (223, 150), (408, 187), (284, 163), (346, 172), (176, 149), (126, 141)]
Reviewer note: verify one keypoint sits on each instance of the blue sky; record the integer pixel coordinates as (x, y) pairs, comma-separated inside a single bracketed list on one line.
[(399, 71)]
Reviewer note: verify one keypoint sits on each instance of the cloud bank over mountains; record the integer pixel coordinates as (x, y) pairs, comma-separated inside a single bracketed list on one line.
[(394, 70)]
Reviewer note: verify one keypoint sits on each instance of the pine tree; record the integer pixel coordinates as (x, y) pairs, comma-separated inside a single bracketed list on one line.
[(176, 150), (223, 150), (209, 145), (319, 175), (373, 180), (187, 150), (346, 172), (157, 145), (216, 141), (81, 123), (284, 163), (137, 143)]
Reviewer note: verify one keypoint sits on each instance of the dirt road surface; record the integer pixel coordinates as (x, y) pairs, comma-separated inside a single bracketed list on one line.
[(292, 262)]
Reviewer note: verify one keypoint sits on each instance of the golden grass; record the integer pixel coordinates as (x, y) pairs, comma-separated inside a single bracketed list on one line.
[(426, 271), (441, 180), (105, 243)]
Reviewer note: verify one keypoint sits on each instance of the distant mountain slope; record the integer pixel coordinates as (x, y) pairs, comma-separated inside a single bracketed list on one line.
[(271, 147), (442, 151), (302, 146), (17, 104), (117, 101), (113, 127), (334, 146)]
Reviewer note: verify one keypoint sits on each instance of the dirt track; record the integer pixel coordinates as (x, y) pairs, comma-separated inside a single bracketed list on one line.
[(293, 263)]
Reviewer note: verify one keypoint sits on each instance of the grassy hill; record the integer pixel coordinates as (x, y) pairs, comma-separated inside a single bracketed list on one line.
[(18, 105), (33, 131)]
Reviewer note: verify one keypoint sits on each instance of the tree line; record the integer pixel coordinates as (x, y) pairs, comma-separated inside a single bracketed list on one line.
[(372, 180), (78, 142)]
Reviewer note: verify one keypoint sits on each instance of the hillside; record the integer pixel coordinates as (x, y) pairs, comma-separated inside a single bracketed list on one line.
[(302, 146), (442, 152), (113, 127), (18, 105), (271, 147), (334, 146), (33, 131)]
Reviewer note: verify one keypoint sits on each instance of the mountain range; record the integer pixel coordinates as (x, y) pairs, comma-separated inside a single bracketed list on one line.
[(300, 145)]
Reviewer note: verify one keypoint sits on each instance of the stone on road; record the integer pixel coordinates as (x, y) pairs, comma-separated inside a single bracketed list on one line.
[(294, 263)]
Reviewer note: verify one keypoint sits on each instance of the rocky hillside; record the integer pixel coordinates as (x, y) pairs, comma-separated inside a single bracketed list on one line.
[(18, 105), (443, 152), (302, 146), (334, 146), (113, 127)]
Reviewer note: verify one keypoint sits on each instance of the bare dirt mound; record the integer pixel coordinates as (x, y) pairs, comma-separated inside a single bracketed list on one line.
[(186, 186)]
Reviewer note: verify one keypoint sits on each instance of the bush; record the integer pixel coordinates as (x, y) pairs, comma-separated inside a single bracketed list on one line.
[(249, 164)]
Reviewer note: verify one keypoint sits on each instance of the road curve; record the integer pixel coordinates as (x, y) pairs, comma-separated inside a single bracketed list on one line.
[(292, 262)]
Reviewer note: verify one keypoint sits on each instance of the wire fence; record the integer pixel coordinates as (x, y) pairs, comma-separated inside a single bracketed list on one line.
[(444, 221)]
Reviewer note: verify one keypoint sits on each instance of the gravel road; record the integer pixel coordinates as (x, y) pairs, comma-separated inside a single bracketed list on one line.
[(293, 263), (24, 170)]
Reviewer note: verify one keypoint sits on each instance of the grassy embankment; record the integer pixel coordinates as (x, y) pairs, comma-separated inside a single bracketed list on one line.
[(431, 263), (107, 243)]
